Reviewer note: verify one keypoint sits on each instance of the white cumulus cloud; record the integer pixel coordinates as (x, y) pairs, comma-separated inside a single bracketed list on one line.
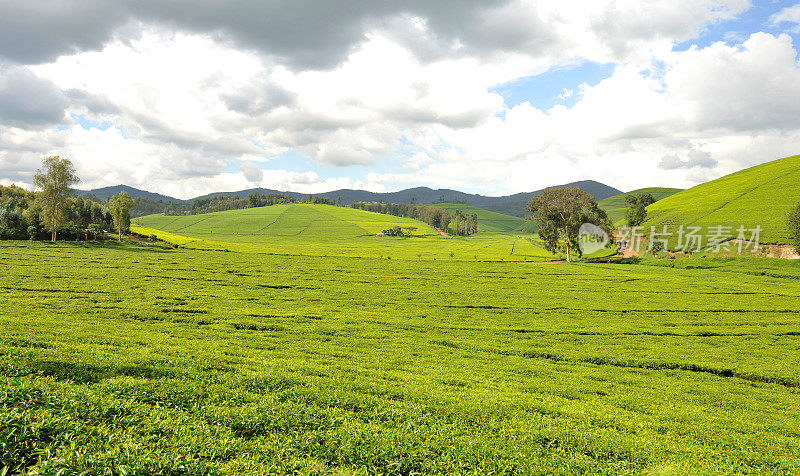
[(178, 101)]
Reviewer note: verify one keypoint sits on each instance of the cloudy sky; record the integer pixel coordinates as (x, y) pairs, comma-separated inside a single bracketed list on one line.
[(488, 96)]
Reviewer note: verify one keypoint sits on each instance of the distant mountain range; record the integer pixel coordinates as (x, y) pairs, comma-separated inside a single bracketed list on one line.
[(508, 204), (105, 193)]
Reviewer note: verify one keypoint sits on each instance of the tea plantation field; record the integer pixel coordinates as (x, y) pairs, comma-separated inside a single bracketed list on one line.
[(758, 196), (126, 359), (324, 230), (616, 208), (493, 222), (291, 220)]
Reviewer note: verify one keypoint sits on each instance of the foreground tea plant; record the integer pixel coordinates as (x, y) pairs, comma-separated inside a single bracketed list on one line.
[(124, 359)]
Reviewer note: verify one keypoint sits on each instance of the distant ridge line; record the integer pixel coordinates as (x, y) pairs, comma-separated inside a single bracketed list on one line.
[(509, 204)]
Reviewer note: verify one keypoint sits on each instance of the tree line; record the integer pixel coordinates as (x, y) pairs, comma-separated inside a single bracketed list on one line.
[(54, 209), (220, 203), (435, 216), (463, 224)]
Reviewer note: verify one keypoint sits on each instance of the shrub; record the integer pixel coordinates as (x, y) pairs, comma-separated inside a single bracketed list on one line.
[(394, 231), (658, 247)]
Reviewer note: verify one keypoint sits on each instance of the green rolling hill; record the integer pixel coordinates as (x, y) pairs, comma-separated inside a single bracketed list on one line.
[(757, 196), (615, 206), (324, 230), (493, 222), (317, 222)]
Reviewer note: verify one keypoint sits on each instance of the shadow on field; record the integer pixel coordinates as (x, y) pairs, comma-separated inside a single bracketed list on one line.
[(84, 372), (124, 245)]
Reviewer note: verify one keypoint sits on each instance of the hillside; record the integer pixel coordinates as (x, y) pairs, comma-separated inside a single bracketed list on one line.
[(324, 230), (615, 206), (757, 196), (515, 204), (309, 221), (493, 222), (105, 193)]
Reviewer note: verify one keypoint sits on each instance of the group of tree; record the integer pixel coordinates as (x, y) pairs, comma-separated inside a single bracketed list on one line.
[(434, 216), (214, 203), (637, 208), (223, 202), (53, 210), (463, 224), (394, 231), (261, 200), (314, 200), (560, 212), (144, 206)]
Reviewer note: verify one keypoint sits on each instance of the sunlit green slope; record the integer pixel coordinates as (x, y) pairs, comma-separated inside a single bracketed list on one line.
[(615, 206), (323, 222), (323, 230), (493, 222), (758, 196)]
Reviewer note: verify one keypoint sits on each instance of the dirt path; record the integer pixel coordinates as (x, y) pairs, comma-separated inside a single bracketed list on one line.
[(768, 251), (626, 251), (441, 232)]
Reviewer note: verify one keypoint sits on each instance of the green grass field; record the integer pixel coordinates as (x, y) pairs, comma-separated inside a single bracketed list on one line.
[(133, 359), (758, 196), (493, 222), (323, 230), (615, 206)]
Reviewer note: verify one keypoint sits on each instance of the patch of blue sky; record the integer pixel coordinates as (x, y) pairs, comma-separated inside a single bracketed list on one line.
[(87, 123), (558, 86), (562, 85), (737, 30)]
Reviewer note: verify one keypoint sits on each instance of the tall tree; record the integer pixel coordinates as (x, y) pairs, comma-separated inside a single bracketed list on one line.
[(637, 208), (457, 220), (55, 179), (793, 222), (120, 208), (560, 212), (444, 219)]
